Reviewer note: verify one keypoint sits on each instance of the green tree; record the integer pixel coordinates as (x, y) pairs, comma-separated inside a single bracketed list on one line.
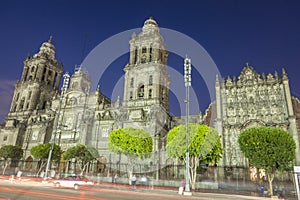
[(131, 142), (82, 154), (41, 153), (8, 152), (203, 143), (268, 148)]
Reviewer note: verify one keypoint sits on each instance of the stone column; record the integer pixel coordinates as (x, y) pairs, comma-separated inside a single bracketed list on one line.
[(291, 116)]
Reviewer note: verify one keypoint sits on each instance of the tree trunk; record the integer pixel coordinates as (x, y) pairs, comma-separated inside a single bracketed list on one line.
[(6, 164), (83, 168), (130, 169), (270, 179), (41, 167), (193, 171), (192, 174)]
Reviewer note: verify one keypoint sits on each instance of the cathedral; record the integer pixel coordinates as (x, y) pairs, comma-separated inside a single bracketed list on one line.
[(41, 112)]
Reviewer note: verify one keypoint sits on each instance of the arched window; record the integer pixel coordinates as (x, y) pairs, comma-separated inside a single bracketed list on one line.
[(55, 79), (135, 55), (150, 54), (143, 59), (130, 95), (131, 82), (150, 80), (15, 108), (44, 105), (141, 91), (17, 96), (44, 74), (144, 50), (21, 106), (26, 74), (150, 93)]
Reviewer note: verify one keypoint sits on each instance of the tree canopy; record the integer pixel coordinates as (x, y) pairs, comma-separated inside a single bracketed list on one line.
[(268, 148), (131, 142), (203, 143), (10, 152), (41, 152), (83, 154)]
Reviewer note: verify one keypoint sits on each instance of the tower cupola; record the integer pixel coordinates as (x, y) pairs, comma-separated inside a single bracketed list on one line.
[(150, 25), (48, 49)]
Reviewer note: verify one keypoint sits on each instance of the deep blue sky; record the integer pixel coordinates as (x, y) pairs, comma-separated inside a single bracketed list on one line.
[(264, 33)]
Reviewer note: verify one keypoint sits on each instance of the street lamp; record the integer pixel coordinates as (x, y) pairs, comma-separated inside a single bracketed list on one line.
[(187, 82), (56, 124)]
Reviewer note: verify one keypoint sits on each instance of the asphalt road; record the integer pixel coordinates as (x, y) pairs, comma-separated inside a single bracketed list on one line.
[(22, 191), (33, 190)]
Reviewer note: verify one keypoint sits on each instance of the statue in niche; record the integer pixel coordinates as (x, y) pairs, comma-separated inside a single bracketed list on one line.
[(48, 105), (69, 123)]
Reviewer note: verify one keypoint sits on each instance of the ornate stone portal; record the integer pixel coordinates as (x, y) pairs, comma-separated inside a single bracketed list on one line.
[(249, 101)]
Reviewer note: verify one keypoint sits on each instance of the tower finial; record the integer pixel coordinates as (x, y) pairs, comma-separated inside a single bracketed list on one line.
[(50, 39)]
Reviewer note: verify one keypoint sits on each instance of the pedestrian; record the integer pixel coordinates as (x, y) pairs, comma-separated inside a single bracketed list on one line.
[(42, 174), (183, 183), (133, 181), (112, 178), (19, 174), (116, 178), (182, 186)]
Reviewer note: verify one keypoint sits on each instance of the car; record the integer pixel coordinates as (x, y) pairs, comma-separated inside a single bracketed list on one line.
[(74, 181)]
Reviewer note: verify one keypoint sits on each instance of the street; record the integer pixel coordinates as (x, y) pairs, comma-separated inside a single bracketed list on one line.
[(24, 192), (31, 190)]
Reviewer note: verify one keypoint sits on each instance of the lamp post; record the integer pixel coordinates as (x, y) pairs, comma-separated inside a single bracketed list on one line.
[(56, 124), (187, 82), (119, 162)]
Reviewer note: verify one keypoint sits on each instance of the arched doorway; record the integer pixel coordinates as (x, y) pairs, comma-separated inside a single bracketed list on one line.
[(62, 167), (101, 165), (29, 164)]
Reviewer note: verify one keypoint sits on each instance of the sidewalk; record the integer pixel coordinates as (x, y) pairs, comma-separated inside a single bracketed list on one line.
[(174, 191)]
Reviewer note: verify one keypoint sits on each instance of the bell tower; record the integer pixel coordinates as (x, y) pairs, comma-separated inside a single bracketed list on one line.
[(146, 75), (39, 82), (146, 87)]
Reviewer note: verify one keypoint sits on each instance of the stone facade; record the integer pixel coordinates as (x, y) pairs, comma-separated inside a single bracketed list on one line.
[(248, 101), (30, 119), (39, 111), (146, 93), (85, 117)]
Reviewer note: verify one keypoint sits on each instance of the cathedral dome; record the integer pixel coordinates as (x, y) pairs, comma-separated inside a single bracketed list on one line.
[(48, 48), (150, 24)]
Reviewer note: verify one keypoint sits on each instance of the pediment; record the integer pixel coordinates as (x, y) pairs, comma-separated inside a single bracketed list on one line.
[(248, 74), (252, 124), (107, 115), (136, 114)]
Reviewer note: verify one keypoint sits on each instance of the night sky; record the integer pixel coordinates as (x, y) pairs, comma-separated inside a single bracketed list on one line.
[(265, 34)]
